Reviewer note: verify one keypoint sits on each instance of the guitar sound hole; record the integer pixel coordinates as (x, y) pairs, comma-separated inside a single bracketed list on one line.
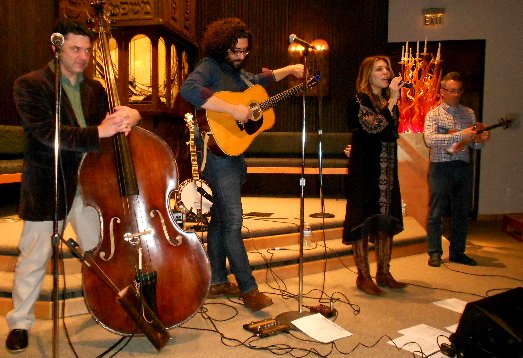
[(252, 127)]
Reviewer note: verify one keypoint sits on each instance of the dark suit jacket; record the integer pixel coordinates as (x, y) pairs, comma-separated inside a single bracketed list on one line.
[(35, 101)]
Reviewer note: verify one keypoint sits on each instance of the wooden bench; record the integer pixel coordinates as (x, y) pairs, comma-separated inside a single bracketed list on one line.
[(281, 152), (12, 144), (274, 157)]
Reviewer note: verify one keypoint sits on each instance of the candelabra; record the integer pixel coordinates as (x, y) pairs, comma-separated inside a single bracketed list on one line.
[(423, 71)]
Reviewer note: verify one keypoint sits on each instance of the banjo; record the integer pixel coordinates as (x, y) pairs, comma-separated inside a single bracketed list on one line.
[(194, 197)]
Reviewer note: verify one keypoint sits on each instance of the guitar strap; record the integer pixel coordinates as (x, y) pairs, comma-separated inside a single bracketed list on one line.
[(244, 79)]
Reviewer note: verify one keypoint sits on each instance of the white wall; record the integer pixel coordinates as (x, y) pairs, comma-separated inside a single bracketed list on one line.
[(500, 23)]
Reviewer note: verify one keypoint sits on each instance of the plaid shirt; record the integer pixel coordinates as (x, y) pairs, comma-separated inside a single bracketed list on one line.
[(438, 122)]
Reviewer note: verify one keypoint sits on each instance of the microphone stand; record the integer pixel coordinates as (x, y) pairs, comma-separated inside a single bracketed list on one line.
[(288, 317), (56, 235), (321, 214)]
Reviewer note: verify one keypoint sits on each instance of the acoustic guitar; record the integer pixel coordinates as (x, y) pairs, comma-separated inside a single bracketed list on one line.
[(230, 137)]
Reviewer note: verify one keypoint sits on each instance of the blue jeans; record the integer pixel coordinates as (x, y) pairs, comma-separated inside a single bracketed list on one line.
[(225, 176), (450, 187)]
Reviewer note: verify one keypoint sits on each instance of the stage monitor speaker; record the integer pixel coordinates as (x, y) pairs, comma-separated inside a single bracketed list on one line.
[(491, 327)]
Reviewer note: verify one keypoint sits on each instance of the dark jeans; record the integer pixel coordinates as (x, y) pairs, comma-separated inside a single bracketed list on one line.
[(226, 176), (450, 187)]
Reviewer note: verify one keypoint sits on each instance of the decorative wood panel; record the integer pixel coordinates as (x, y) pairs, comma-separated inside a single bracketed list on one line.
[(177, 16), (25, 28)]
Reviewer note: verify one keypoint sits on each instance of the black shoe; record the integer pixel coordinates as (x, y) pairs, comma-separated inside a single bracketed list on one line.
[(435, 260), (463, 259), (17, 340)]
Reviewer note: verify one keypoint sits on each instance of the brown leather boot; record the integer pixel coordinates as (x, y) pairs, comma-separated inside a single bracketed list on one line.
[(224, 289), (255, 300), (361, 258), (383, 246)]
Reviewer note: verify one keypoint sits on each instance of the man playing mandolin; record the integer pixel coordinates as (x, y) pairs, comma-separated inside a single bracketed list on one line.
[(450, 174), (225, 46)]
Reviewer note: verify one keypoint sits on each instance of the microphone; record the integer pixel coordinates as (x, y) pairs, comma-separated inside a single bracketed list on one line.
[(204, 193), (57, 39), (296, 39), (404, 84)]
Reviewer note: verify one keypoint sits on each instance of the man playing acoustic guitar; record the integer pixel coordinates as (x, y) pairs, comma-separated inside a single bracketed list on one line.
[(225, 46), (450, 174)]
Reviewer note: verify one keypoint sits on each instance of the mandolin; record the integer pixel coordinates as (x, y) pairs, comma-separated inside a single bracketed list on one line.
[(480, 128)]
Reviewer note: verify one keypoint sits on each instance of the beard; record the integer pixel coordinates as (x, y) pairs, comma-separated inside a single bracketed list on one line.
[(236, 64)]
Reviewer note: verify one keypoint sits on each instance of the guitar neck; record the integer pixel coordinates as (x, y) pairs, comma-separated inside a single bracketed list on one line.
[(275, 100), (194, 157), (192, 147), (501, 124)]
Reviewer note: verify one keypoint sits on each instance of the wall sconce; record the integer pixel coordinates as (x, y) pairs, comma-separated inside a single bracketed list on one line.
[(318, 61), (433, 16)]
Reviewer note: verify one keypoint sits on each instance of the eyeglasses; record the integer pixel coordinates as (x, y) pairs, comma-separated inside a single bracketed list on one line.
[(454, 91), (239, 52)]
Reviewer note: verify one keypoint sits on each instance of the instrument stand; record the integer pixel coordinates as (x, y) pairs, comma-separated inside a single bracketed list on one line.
[(202, 223), (56, 237), (288, 317), (132, 301)]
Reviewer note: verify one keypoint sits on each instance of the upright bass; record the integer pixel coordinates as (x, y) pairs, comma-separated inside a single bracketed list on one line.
[(129, 182)]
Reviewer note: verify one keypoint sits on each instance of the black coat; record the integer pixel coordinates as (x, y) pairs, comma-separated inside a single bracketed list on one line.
[(373, 191), (35, 101)]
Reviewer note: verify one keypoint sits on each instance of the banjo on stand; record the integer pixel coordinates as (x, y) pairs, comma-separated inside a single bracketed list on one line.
[(194, 197)]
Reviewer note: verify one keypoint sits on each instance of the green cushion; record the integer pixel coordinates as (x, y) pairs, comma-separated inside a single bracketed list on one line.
[(12, 141), (289, 144)]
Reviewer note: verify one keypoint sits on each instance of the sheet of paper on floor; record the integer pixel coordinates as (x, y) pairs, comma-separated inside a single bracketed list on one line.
[(426, 340), (452, 304), (418, 345), (320, 328)]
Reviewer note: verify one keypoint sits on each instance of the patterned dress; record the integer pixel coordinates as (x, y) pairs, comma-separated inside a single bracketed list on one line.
[(373, 192)]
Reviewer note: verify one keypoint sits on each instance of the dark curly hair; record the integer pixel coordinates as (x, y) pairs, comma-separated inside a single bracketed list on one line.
[(222, 35)]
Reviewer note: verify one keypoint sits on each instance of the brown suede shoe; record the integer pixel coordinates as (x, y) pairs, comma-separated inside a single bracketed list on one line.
[(223, 289), (255, 300)]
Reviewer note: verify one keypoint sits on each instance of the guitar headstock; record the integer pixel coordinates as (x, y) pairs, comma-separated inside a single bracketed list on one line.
[(102, 16), (189, 120), (506, 122), (313, 80)]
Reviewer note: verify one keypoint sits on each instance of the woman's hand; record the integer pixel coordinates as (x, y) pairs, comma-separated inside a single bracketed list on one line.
[(394, 87), (347, 150)]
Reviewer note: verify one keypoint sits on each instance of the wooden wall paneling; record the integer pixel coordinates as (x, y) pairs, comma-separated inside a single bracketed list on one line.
[(25, 29), (353, 30)]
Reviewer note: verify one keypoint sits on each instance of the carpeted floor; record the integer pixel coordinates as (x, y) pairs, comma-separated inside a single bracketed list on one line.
[(217, 331)]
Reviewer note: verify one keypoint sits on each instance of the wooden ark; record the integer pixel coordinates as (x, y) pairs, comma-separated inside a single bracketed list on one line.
[(176, 16)]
